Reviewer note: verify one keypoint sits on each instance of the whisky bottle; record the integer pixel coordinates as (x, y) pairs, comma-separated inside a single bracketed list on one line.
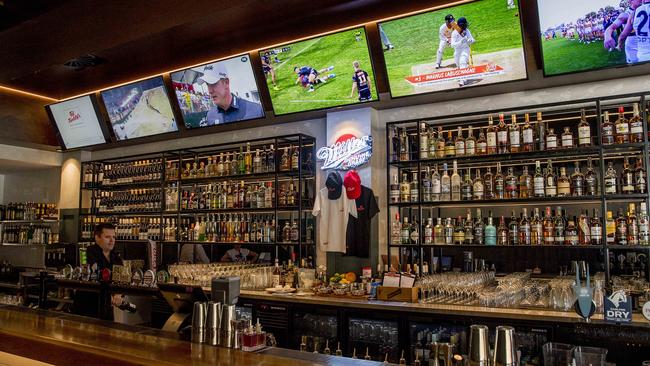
[(285, 160), (591, 180), (567, 138), (490, 232), (502, 232), (395, 143), (513, 229), (414, 190), (584, 130), (248, 160), (640, 177), (596, 229), (478, 188), (449, 231), (632, 226), (622, 127), (440, 144), (406, 232), (270, 160), (445, 185), (610, 229), (571, 234), (550, 180), (563, 184), (424, 141), (549, 228), (577, 182), (491, 137), (396, 231), (488, 184), (560, 226), (525, 184), (404, 146), (479, 229), (627, 178), (610, 179), (607, 130), (481, 144), (499, 184), (584, 232), (394, 190), (404, 189), (459, 143), (621, 228), (536, 229), (435, 184), (469, 228), (514, 135), (459, 231), (644, 225), (450, 146), (466, 187), (551, 140), (511, 185), (438, 232), (502, 135), (541, 132), (470, 143), (528, 135), (455, 183), (525, 229), (426, 185), (538, 181), (428, 232), (636, 125)]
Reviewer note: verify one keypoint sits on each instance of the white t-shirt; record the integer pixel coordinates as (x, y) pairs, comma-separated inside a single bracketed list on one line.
[(333, 220)]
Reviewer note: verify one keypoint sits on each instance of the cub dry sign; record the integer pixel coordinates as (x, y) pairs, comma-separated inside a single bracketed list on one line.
[(618, 307), (348, 152)]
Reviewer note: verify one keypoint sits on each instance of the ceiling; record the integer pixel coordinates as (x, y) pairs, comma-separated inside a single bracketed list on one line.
[(142, 38)]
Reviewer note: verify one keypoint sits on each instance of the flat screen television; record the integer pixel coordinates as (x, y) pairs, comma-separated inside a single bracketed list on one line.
[(216, 93), (467, 45), (583, 35), (323, 72), (139, 109), (77, 122)]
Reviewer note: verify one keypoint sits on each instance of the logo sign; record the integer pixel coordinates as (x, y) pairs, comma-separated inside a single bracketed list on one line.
[(618, 307), (456, 75), (73, 115), (348, 152), (646, 310)]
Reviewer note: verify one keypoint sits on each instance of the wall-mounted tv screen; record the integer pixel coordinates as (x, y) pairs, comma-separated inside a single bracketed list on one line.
[(77, 122), (323, 72), (582, 35), (139, 109), (221, 92), (471, 44)]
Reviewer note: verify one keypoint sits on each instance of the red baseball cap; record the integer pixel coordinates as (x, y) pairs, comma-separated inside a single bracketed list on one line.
[(352, 184)]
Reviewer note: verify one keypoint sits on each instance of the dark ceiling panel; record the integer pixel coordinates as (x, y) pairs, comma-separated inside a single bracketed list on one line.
[(23, 121)]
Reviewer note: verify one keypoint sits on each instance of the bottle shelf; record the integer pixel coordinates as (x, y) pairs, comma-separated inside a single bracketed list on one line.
[(117, 187), (133, 213), (270, 176), (629, 247), (43, 221), (237, 242), (424, 246), (570, 200), (235, 210)]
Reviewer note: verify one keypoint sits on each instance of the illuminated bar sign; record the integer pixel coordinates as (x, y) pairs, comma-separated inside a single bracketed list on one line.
[(348, 152)]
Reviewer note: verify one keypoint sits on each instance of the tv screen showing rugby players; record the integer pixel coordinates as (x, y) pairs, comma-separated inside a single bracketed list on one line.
[(582, 35), (221, 92), (139, 109), (317, 73), (77, 122), (472, 44)]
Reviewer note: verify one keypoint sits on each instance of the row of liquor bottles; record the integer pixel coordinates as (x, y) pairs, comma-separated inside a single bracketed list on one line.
[(549, 182), (557, 229), (131, 200), (214, 228), (28, 211), (240, 163), (123, 173), (28, 234), (512, 138)]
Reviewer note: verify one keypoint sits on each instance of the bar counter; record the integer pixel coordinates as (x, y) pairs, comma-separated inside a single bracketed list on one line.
[(59, 338)]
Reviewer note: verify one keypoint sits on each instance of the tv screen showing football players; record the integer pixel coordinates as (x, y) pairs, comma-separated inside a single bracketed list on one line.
[(582, 35), (216, 93), (77, 122), (139, 109), (472, 44), (324, 72)]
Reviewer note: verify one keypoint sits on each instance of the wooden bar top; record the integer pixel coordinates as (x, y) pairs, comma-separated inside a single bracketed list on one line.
[(59, 338), (459, 310)]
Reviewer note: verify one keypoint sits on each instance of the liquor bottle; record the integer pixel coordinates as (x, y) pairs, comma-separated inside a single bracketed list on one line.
[(607, 130), (435, 184), (241, 161), (584, 232), (514, 135), (591, 180), (513, 229), (406, 231), (395, 143), (404, 189), (270, 159), (610, 229), (551, 140), (424, 141), (584, 130), (632, 226), (427, 187), (248, 159), (428, 232), (525, 229), (459, 231), (295, 158), (470, 142), (440, 144), (490, 232), (499, 184), (644, 225), (450, 146), (449, 231), (536, 229), (621, 228), (459, 143), (481, 144), (432, 143), (640, 177), (466, 187), (511, 185), (275, 277), (502, 135), (502, 232), (525, 184), (567, 138), (549, 228), (445, 185), (404, 146), (541, 132), (396, 231), (455, 183), (478, 188), (538, 181), (560, 227), (479, 229), (596, 229), (610, 179), (438, 232), (571, 234), (577, 182), (469, 228), (550, 180), (488, 184), (414, 190), (636, 125), (413, 148), (627, 178), (394, 190), (527, 135), (622, 127), (491, 137)]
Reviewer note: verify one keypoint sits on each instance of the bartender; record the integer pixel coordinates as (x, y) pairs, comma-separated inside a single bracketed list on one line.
[(103, 254), (239, 254)]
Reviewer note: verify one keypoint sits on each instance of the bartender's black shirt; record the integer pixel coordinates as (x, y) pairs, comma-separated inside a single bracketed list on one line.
[(94, 255)]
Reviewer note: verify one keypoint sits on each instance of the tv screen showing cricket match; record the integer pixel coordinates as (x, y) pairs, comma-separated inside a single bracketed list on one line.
[(472, 44), (139, 109), (216, 93), (582, 35), (323, 72)]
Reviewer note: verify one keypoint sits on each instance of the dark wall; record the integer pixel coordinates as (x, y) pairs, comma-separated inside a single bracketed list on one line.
[(23, 120)]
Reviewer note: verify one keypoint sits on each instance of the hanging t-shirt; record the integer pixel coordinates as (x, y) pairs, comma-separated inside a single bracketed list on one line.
[(333, 220), (358, 231)]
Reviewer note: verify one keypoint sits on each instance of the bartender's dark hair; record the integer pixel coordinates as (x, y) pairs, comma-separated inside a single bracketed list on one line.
[(101, 226)]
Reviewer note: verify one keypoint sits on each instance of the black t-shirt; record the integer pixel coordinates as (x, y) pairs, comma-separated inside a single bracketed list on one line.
[(358, 230), (94, 254)]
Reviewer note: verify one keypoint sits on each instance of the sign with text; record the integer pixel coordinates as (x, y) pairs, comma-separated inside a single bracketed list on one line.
[(348, 152), (618, 307)]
